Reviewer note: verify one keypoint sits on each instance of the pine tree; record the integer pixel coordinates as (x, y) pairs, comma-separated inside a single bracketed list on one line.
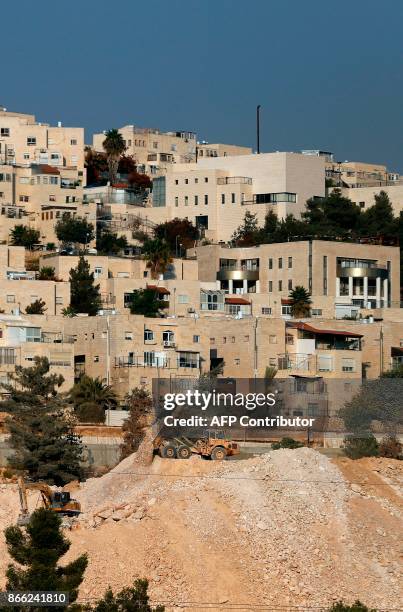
[(40, 432), (85, 296), (38, 550), (134, 599)]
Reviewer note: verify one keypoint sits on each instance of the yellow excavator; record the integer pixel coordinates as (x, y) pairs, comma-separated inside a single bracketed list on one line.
[(58, 501)]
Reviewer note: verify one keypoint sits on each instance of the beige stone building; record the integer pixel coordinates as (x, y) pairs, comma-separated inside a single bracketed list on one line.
[(153, 150), (206, 149), (22, 339), (41, 175), (343, 278), (19, 288)]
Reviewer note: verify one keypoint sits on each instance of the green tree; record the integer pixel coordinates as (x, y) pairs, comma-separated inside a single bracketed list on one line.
[(378, 220), (177, 231), (41, 433), (37, 550), (46, 273), (357, 606), (140, 406), (108, 243), (132, 599), (157, 254), (360, 446), (248, 233), (37, 307), (74, 230), (22, 235), (84, 294), (114, 147), (334, 216), (147, 303), (301, 302), (91, 397)]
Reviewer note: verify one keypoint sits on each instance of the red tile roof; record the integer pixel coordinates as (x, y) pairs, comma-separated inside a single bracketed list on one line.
[(237, 300), (46, 169), (158, 289), (322, 332)]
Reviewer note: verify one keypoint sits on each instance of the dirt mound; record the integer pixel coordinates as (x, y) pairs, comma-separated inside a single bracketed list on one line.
[(288, 528)]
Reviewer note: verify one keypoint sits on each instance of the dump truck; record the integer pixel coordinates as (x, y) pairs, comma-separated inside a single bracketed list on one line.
[(212, 444), (60, 502)]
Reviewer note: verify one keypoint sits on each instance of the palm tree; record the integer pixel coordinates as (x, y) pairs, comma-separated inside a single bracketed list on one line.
[(114, 147), (158, 256), (301, 302), (91, 397)]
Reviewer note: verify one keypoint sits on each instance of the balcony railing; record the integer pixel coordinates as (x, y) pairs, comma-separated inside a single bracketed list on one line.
[(57, 338), (233, 180), (239, 266)]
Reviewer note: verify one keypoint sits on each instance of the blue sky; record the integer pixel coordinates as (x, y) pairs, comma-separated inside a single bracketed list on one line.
[(328, 75)]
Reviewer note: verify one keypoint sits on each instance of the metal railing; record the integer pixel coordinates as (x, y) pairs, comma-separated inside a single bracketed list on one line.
[(233, 180)]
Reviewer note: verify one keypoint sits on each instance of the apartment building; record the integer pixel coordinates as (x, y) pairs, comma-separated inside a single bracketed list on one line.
[(23, 339), (41, 175), (205, 149), (216, 192), (343, 278), (153, 150), (19, 288)]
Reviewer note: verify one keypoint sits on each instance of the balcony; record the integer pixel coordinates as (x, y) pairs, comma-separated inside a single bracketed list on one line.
[(357, 270), (57, 338), (238, 271), (234, 180)]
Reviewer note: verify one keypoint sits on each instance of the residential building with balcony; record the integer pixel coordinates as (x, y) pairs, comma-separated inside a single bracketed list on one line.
[(154, 150), (343, 278)]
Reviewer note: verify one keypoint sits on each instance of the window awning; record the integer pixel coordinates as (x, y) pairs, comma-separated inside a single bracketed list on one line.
[(237, 300), (322, 332), (160, 290)]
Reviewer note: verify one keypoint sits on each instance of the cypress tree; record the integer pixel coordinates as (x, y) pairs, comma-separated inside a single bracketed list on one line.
[(85, 296)]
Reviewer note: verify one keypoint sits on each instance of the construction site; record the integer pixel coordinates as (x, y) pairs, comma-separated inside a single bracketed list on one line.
[(277, 530)]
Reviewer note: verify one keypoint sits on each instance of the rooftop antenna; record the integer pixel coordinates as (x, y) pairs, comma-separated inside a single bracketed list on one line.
[(258, 128)]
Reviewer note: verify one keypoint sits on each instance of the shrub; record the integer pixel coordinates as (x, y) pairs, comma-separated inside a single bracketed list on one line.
[(90, 412), (356, 447), (357, 606), (286, 443), (391, 447)]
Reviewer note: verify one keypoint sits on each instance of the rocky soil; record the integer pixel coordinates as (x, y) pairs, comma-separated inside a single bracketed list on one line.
[(288, 528)]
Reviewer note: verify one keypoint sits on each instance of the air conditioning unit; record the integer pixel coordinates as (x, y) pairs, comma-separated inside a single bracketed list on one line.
[(191, 310), (168, 344)]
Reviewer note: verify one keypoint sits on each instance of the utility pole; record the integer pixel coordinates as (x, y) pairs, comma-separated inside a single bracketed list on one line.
[(258, 128)]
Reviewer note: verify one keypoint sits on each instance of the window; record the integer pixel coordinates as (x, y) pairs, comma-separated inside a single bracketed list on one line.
[(26, 155), (96, 358), (206, 179), (232, 198), (270, 286), (128, 335), (176, 182), (212, 340), (223, 198), (33, 334), (206, 199), (196, 200), (362, 204), (74, 159), (173, 147), (224, 340), (316, 312), (4, 131), (266, 310), (324, 363), (188, 360), (325, 275), (52, 198), (272, 339), (246, 338), (289, 339), (97, 272), (186, 200), (286, 310), (212, 300), (348, 365), (148, 335), (176, 201), (53, 180), (183, 299), (10, 299), (280, 263), (155, 145), (280, 285), (31, 140), (290, 284), (237, 361), (289, 263), (233, 339), (196, 339), (186, 181), (270, 264), (272, 362)]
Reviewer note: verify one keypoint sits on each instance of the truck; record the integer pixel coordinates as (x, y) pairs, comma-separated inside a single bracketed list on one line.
[(212, 444)]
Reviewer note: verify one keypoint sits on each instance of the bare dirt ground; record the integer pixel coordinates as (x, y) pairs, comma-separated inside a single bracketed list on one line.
[(288, 528)]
